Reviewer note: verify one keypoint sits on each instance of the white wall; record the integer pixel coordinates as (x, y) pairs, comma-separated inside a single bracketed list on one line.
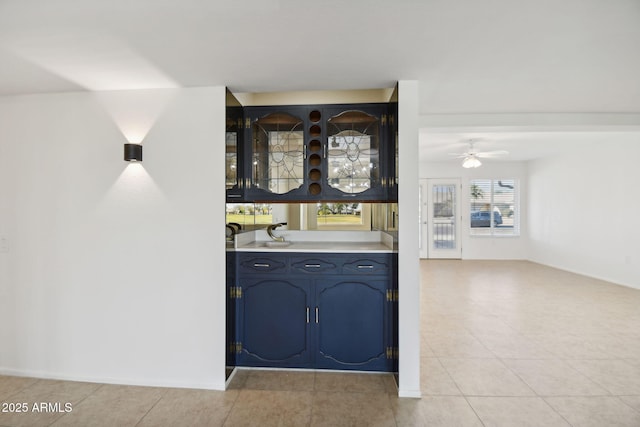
[(584, 208), (408, 255), (485, 247), (113, 269)]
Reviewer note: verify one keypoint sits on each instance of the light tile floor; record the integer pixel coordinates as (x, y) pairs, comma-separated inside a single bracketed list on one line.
[(503, 344)]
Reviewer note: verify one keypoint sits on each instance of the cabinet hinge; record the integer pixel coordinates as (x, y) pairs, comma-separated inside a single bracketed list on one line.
[(247, 123), (235, 292), (391, 119), (392, 352), (392, 295), (383, 119), (236, 347), (240, 122)]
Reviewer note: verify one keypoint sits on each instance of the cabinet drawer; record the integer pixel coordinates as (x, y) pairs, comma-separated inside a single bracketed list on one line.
[(314, 265), (260, 264), (374, 264)]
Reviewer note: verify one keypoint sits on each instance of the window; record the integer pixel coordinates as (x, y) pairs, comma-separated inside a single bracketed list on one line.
[(248, 214), (307, 216), (494, 207), (343, 216)]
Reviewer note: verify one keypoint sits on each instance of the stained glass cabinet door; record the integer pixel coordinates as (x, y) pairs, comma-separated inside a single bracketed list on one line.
[(277, 154)]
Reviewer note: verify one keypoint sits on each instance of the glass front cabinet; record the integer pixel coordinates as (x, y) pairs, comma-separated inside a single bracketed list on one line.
[(308, 153), (234, 163)]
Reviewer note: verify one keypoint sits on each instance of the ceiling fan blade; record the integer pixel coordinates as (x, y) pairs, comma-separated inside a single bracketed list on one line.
[(497, 153)]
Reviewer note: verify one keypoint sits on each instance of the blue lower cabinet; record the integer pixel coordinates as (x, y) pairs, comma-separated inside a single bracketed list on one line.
[(230, 334), (314, 311), (272, 324), (351, 329)]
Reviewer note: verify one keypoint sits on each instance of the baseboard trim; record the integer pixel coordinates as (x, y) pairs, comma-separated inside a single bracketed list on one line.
[(413, 394), (108, 380)]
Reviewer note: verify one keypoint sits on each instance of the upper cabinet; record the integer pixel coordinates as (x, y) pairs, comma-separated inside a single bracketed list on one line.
[(392, 151), (234, 163), (274, 153), (312, 153), (355, 160)]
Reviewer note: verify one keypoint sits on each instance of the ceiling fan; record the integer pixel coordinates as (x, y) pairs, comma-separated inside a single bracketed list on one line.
[(472, 156)]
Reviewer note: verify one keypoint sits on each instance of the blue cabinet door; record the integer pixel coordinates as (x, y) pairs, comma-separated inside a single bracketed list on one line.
[(273, 323), (355, 159), (230, 310), (351, 324)]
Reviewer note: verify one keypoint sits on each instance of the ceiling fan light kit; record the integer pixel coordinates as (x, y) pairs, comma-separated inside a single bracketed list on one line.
[(471, 162), (471, 159)]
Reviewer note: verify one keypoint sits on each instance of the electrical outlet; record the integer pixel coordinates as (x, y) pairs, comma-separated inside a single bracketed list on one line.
[(4, 244)]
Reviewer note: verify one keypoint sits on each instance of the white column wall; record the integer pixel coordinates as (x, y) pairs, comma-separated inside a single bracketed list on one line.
[(408, 259), (112, 273)]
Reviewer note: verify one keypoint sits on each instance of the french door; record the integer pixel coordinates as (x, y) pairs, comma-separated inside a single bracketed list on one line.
[(440, 218)]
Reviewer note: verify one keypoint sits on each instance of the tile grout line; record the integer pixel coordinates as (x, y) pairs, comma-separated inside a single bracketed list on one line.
[(535, 395), (37, 380), (233, 405), (150, 409), (555, 410), (630, 406), (235, 401), (461, 393), (79, 402), (474, 410), (314, 395), (589, 377)]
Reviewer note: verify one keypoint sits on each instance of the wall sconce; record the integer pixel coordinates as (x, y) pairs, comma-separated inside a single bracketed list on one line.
[(132, 152)]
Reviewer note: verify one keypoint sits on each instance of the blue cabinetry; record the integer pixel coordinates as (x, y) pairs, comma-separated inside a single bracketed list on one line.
[(353, 324), (231, 309), (315, 311), (311, 153), (273, 323)]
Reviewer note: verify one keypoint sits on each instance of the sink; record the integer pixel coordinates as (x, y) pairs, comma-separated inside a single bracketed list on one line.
[(275, 244)]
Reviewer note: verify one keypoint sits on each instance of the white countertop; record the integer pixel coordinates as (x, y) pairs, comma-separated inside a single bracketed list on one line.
[(330, 247), (317, 241)]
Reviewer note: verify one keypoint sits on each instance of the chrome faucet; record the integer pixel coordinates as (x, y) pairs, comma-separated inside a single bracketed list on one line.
[(273, 227)]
